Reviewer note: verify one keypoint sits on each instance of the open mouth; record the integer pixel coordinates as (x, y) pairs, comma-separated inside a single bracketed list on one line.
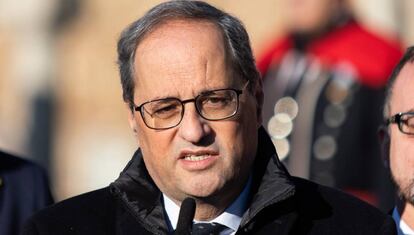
[(195, 158), (198, 160)]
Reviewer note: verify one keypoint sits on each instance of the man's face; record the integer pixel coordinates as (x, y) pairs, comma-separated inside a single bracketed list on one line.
[(182, 59), (402, 145)]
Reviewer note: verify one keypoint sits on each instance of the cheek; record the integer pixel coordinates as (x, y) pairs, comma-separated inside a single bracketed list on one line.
[(226, 135), (394, 156), (402, 158), (158, 155), (236, 139), (151, 139), (155, 145)]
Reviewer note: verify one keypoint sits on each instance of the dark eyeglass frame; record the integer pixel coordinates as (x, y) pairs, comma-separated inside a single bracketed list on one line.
[(238, 92), (399, 120)]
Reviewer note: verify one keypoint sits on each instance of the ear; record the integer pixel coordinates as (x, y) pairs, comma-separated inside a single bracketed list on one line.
[(258, 93), (384, 138), (131, 118)]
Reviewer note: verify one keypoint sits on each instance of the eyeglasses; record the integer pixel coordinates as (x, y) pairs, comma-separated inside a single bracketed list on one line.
[(405, 122), (213, 105)]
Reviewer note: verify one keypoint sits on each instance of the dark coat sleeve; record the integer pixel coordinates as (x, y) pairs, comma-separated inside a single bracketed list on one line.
[(89, 213)]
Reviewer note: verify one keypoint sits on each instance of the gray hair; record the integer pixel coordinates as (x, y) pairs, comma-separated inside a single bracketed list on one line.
[(408, 57), (235, 37)]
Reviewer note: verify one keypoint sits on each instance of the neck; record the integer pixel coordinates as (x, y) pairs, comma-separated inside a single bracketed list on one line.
[(406, 211), (209, 208), (206, 211)]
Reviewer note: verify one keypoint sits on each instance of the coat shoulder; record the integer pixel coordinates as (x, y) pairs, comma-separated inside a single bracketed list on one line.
[(329, 207), (91, 211)]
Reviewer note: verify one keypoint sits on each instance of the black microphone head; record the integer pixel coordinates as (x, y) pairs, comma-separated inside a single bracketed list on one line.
[(186, 216)]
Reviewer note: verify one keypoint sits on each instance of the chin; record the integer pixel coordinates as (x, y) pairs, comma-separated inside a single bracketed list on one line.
[(206, 192), (410, 193), (204, 188), (406, 193)]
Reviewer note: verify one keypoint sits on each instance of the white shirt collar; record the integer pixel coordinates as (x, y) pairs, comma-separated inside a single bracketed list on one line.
[(231, 217), (402, 227)]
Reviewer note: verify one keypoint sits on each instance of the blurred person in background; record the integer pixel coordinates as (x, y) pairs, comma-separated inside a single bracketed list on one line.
[(194, 99), (323, 86), (397, 137), (24, 189)]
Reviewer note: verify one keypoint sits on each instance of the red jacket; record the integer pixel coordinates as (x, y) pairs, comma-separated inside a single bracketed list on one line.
[(373, 57)]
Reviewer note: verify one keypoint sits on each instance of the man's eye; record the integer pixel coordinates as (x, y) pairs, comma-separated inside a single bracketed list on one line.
[(217, 100), (165, 110), (409, 122)]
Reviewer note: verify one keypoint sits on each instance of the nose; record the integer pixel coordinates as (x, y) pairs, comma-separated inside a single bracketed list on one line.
[(193, 127)]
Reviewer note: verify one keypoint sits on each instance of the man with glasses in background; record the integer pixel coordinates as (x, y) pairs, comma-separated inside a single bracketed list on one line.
[(194, 98), (398, 140)]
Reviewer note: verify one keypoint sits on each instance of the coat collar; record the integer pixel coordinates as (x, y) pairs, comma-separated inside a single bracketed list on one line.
[(137, 191)]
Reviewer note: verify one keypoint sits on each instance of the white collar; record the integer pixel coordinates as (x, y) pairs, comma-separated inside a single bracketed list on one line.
[(402, 227), (231, 217)]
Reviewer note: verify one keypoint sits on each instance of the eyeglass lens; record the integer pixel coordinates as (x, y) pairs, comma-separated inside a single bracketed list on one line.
[(406, 123), (212, 105)]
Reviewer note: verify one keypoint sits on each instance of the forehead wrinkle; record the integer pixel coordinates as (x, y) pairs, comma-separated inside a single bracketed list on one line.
[(206, 70), (197, 57)]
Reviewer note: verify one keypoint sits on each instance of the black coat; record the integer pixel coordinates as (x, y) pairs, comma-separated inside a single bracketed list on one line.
[(280, 204), (24, 190)]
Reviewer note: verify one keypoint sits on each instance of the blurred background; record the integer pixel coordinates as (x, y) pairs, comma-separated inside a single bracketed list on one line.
[(60, 95)]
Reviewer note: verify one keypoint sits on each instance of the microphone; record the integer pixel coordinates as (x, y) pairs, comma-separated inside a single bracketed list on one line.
[(186, 216)]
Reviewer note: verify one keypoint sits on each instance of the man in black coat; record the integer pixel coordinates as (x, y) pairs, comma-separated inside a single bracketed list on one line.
[(398, 142), (24, 190), (194, 99)]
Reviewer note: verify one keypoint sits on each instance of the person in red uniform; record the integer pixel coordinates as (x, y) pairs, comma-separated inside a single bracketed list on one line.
[(323, 84)]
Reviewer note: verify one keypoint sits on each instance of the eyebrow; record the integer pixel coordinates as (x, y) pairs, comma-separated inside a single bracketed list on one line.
[(204, 91), (161, 98)]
